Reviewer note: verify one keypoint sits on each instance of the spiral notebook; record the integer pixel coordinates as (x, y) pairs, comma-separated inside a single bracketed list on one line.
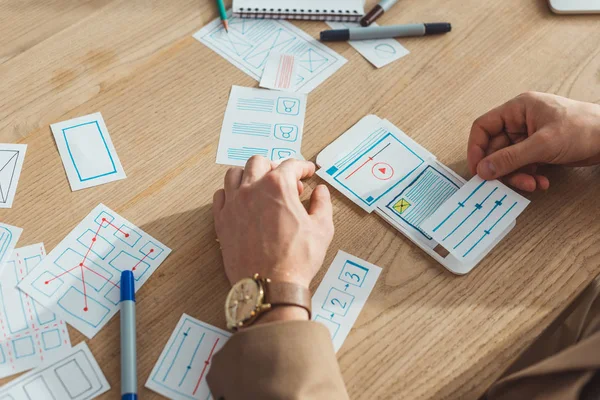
[(314, 10)]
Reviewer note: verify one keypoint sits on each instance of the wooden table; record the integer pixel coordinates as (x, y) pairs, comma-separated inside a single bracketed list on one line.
[(424, 333)]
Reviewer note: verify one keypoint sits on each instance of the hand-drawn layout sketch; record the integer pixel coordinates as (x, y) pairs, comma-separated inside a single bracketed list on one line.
[(79, 279), (342, 295), (12, 157), (76, 376), (87, 152), (180, 372), (468, 222), (261, 122), (250, 42), (29, 333)]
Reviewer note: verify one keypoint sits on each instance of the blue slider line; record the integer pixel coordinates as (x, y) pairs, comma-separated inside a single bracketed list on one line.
[(498, 204), (477, 207), (185, 335), (187, 369), (460, 205), (487, 232)]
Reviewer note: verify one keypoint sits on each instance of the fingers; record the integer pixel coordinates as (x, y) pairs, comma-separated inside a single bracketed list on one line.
[(297, 168), (233, 179), (521, 181), (542, 182), (218, 201), (511, 158), (256, 168), (509, 117), (320, 204)]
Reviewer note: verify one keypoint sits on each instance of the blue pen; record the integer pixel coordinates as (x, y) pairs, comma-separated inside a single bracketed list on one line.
[(128, 338)]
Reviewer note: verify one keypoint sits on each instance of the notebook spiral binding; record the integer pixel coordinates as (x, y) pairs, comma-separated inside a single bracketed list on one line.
[(307, 15)]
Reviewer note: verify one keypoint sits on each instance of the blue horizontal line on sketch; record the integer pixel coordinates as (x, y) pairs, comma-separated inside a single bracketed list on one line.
[(246, 152), (267, 110), (252, 129), (488, 231)]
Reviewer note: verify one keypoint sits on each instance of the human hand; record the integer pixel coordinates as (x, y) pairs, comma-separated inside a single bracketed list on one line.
[(264, 228), (512, 140)]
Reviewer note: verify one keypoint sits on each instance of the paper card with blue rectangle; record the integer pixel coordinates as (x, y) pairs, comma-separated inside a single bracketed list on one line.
[(375, 159), (87, 152), (80, 279), (9, 236), (75, 375), (32, 333), (261, 122), (180, 372), (342, 295), (469, 221)]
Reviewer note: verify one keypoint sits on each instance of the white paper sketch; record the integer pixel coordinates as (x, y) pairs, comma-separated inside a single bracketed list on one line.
[(468, 222), (79, 280), (29, 333), (261, 122), (12, 157), (75, 376), (379, 52), (250, 42), (342, 295), (180, 372), (87, 152), (280, 72)]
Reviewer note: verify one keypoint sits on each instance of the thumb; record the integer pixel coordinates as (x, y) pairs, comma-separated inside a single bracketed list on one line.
[(320, 204), (511, 158)]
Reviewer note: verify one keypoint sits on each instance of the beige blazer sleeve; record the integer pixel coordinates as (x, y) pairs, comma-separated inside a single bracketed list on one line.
[(282, 360)]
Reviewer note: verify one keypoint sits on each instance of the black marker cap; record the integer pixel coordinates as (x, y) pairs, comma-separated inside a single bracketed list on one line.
[(437, 28), (336, 35)]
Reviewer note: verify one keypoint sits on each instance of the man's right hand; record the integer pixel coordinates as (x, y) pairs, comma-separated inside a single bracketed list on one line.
[(511, 141)]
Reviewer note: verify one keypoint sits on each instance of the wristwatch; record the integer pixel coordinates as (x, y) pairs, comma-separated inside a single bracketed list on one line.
[(252, 297)]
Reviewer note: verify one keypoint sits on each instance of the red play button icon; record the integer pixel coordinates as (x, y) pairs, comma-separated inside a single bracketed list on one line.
[(382, 171)]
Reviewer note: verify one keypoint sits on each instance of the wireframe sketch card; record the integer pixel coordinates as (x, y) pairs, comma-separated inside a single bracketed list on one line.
[(261, 122), (79, 280), (32, 333), (87, 152), (11, 163)]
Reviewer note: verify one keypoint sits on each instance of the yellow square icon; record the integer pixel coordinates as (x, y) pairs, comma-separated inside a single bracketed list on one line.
[(401, 206)]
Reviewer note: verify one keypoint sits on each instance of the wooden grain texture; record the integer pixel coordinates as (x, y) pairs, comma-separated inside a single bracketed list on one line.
[(424, 333)]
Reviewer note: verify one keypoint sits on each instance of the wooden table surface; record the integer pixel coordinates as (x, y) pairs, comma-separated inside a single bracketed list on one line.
[(424, 333)]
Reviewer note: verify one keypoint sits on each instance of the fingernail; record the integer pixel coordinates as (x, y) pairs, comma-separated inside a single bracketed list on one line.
[(488, 169)]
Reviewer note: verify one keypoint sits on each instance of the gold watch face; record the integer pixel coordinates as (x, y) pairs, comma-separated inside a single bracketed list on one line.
[(242, 302)]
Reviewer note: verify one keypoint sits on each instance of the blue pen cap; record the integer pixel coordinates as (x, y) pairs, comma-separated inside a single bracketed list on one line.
[(127, 286)]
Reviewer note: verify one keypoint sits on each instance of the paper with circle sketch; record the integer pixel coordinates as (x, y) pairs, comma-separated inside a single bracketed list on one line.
[(79, 280), (87, 152), (379, 52), (378, 158), (280, 72), (180, 372), (342, 295), (250, 42), (9, 236), (75, 375), (29, 333), (474, 217), (261, 122), (11, 163)]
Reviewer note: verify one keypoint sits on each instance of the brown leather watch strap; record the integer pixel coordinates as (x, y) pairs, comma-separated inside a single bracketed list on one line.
[(288, 294)]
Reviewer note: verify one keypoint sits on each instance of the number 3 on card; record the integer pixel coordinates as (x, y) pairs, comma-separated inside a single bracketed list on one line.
[(353, 274)]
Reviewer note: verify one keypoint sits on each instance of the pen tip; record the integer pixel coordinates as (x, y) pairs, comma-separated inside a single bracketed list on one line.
[(226, 25)]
